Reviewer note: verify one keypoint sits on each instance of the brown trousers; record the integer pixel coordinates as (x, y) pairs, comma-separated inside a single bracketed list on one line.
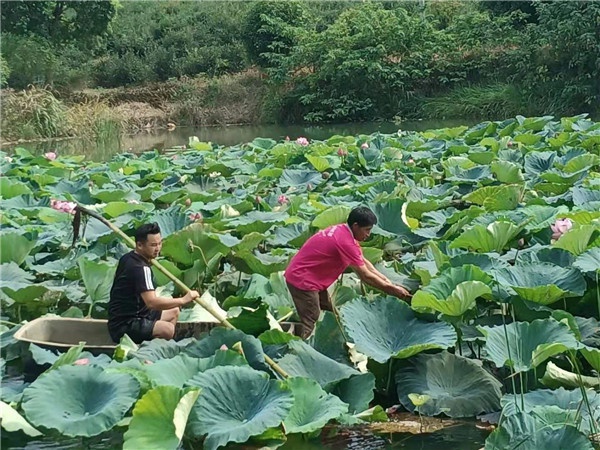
[(309, 305)]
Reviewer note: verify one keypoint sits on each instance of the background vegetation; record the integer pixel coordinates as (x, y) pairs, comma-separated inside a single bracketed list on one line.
[(311, 61)]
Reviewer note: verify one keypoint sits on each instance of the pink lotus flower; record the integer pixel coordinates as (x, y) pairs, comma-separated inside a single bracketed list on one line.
[(341, 152), (196, 217), (560, 227), (287, 138), (223, 347), (258, 199), (50, 156), (283, 199), (364, 146), (82, 362), (302, 141), (66, 207)]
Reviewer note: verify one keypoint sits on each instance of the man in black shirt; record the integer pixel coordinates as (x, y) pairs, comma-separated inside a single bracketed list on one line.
[(134, 308)]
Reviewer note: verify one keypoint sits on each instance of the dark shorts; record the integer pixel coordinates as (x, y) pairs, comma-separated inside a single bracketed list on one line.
[(309, 305), (138, 329)]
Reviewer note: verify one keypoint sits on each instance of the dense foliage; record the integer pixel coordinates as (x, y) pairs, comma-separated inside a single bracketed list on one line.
[(495, 228), (326, 61)]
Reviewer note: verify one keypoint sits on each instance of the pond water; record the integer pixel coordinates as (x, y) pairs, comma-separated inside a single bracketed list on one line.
[(225, 135)]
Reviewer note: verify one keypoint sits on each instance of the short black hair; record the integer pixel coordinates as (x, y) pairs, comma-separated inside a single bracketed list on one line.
[(141, 234), (363, 216)]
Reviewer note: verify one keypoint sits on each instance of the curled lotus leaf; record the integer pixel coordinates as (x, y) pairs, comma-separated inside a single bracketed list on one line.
[(79, 400), (236, 404)]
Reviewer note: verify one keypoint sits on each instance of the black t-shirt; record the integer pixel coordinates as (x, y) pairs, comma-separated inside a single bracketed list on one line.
[(133, 276)]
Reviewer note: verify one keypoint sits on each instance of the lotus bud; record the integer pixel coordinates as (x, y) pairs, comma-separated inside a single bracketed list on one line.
[(196, 217), (214, 174), (121, 170), (364, 146), (188, 202), (410, 162), (223, 347), (50, 156), (509, 144), (309, 186), (302, 141), (287, 138), (258, 199), (282, 199), (8, 159), (325, 175), (342, 152)]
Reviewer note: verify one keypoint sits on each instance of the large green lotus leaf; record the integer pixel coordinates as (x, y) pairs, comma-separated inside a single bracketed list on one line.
[(389, 219), (15, 247), (322, 163), (485, 239), (154, 350), (169, 220), (387, 328), (159, 418), (486, 262), (205, 246), (299, 177), (588, 410), (12, 188), (555, 377), (507, 172), (592, 356), (258, 221), (236, 404), (454, 292), (542, 283), (219, 336), (253, 321), (331, 216), (293, 235), (576, 240), (542, 216), (456, 386), (589, 261), (545, 254), (13, 421), (262, 263), (178, 370), (523, 431), (115, 209), (97, 277), (524, 345), (79, 400), (14, 277), (313, 407), (496, 198), (329, 339)]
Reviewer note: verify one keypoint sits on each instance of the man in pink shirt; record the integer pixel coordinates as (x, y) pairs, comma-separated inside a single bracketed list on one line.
[(324, 257)]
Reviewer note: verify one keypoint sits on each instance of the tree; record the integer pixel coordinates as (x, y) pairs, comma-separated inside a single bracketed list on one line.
[(57, 21)]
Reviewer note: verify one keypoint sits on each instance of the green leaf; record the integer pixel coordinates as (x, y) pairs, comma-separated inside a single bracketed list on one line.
[(386, 328), (523, 431), (12, 188), (13, 421), (236, 404), (15, 247), (542, 283), (555, 377), (97, 278), (507, 172), (589, 261), (313, 407), (331, 216), (159, 418), (496, 198), (576, 240), (524, 346), (484, 239), (454, 291), (79, 400), (456, 386)]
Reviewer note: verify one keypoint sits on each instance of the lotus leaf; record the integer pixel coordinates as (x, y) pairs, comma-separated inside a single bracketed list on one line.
[(178, 370), (525, 432), (13, 421), (329, 339), (454, 291), (159, 418), (331, 216), (542, 283), (79, 400), (206, 246), (589, 261), (236, 404), (386, 328), (524, 346), (555, 377), (219, 336), (492, 238), (456, 386), (98, 278), (313, 407), (566, 400), (15, 247), (576, 240)]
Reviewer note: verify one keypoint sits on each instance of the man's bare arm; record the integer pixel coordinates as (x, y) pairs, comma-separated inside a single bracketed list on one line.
[(375, 281), (372, 268), (152, 301)]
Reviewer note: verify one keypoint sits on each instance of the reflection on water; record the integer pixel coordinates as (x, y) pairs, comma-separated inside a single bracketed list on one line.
[(463, 436), (227, 135)]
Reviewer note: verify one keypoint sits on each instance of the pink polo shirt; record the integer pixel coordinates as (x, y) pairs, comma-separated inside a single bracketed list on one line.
[(323, 258)]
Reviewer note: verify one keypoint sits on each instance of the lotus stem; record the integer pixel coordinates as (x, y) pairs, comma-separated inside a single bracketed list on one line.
[(573, 361), (208, 307)]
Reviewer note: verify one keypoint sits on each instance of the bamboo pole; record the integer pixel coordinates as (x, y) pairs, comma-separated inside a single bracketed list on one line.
[(208, 307)]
